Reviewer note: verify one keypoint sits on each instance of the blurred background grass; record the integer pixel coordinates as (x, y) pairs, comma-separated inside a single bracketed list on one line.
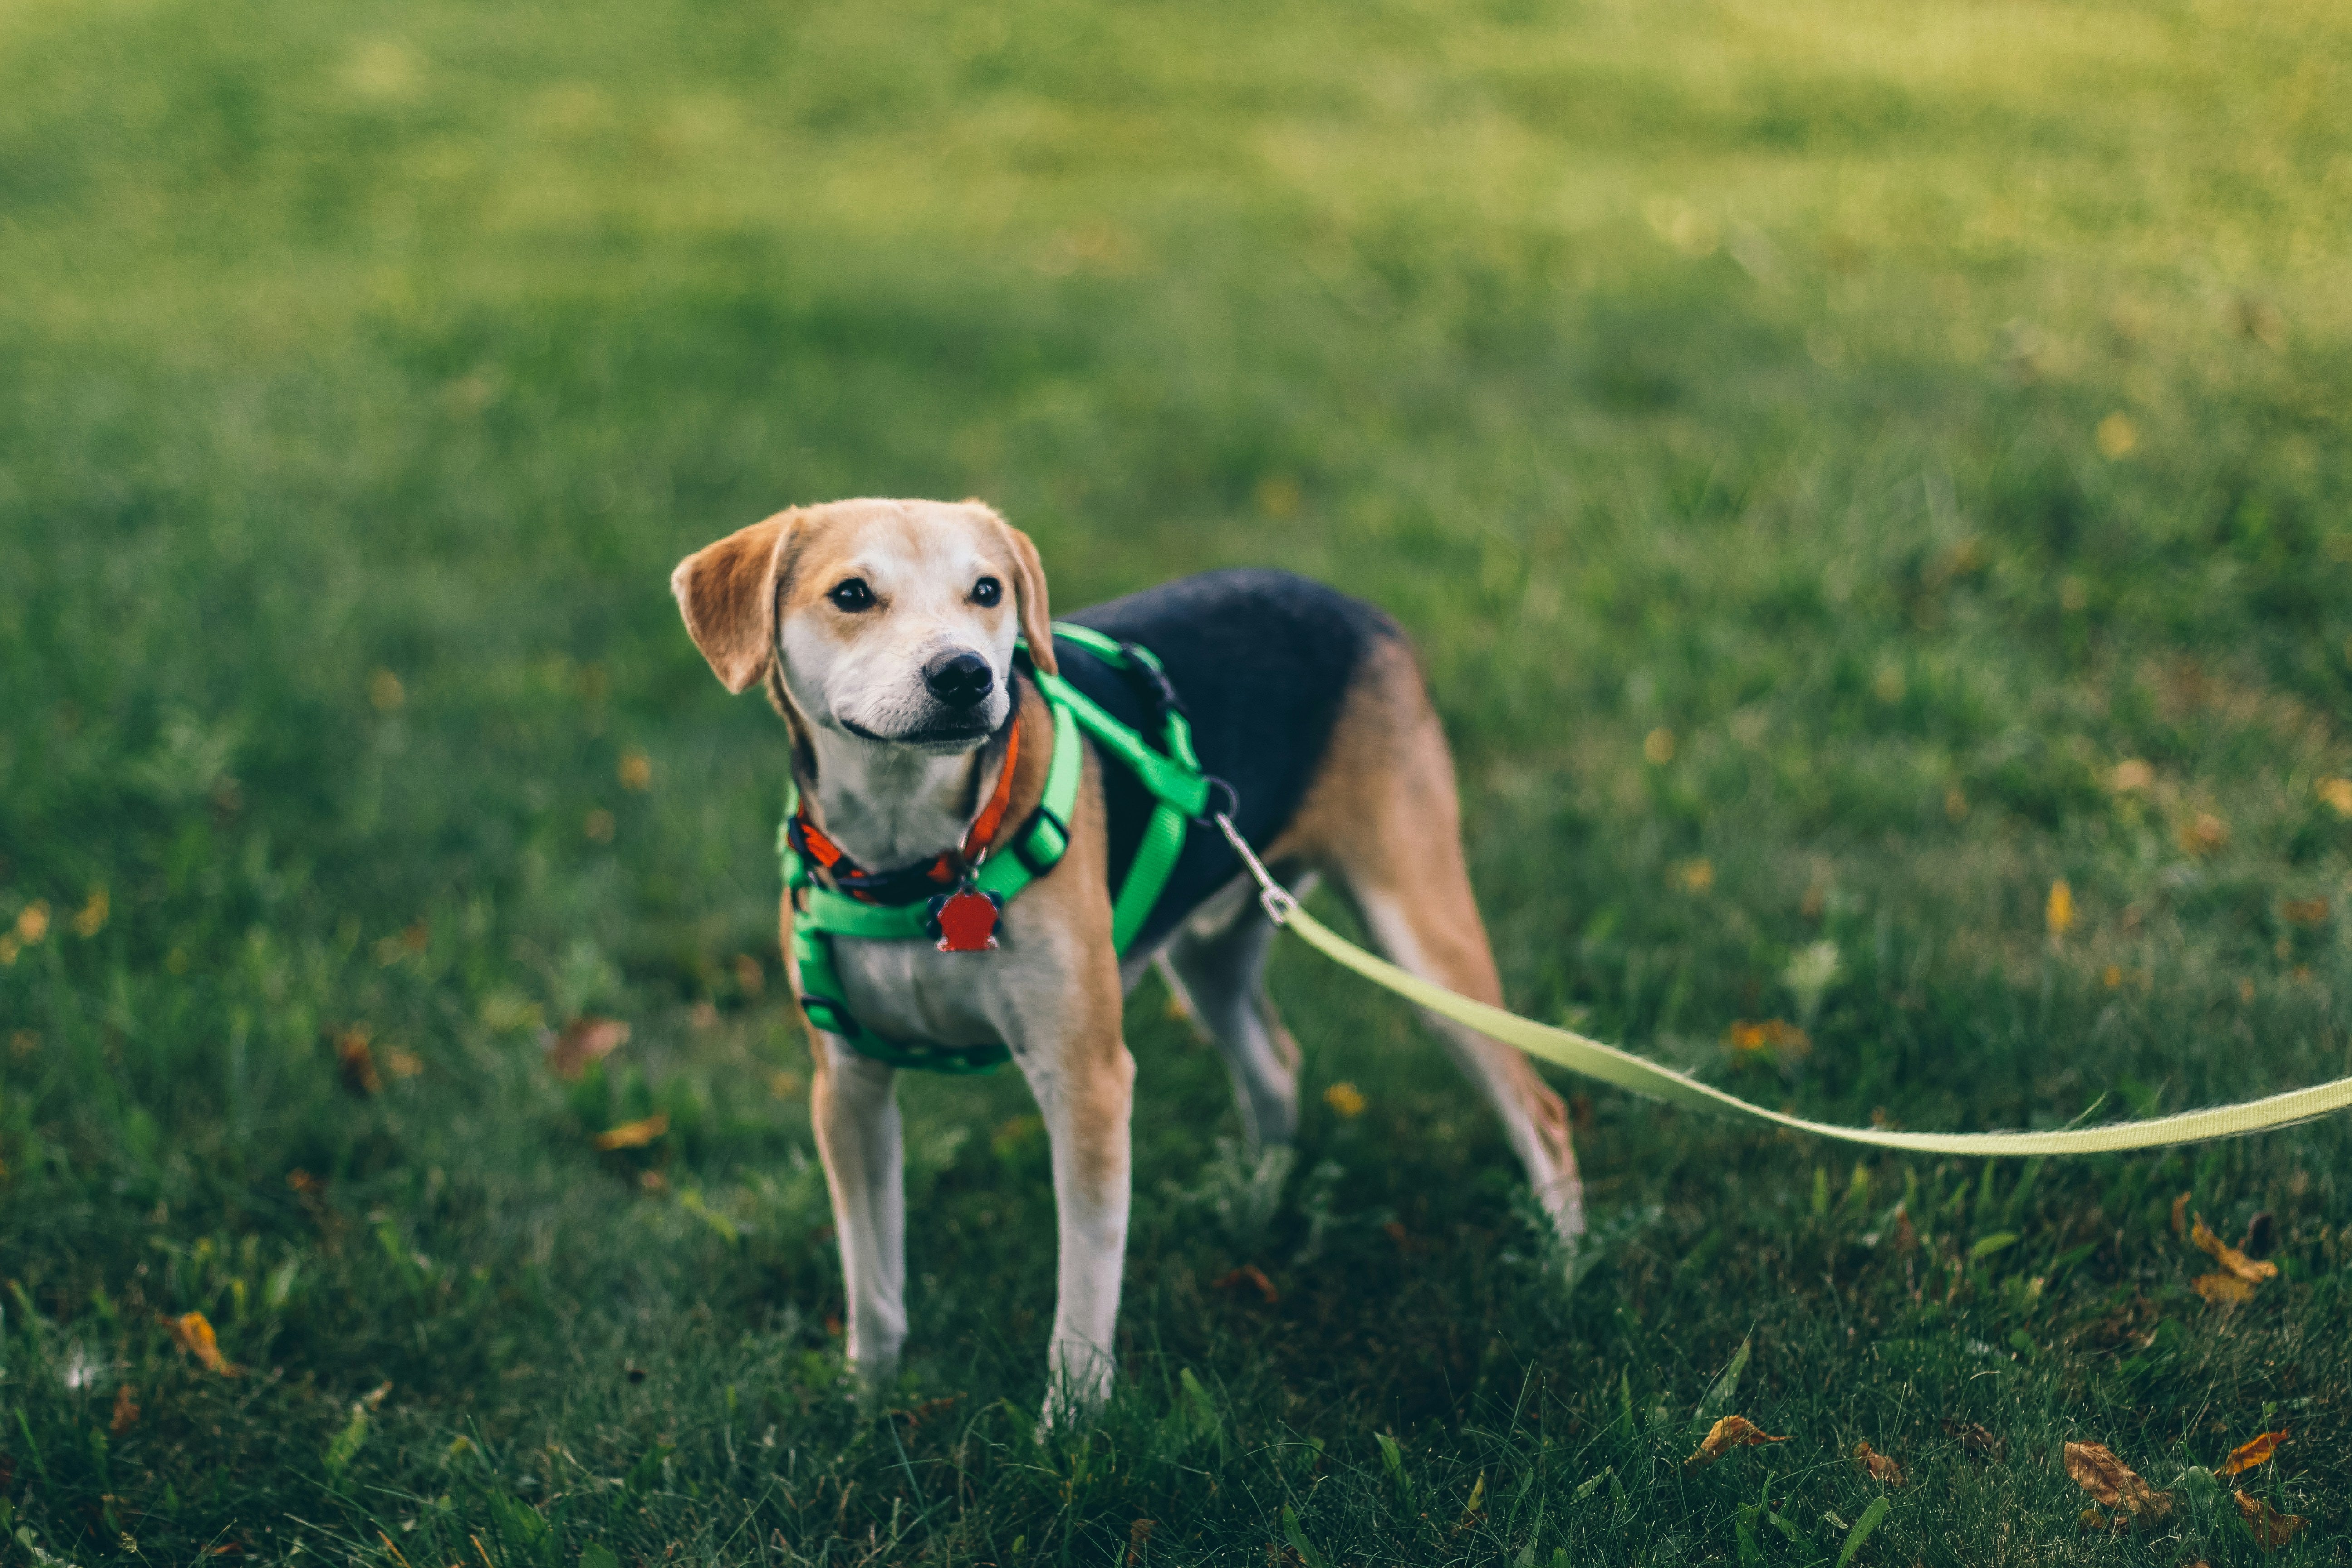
[(1847, 468)]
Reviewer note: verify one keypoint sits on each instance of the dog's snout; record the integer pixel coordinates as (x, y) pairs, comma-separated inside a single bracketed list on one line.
[(960, 679)]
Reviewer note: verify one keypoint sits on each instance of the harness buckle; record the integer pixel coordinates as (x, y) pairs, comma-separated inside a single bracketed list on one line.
[(1021, 851)]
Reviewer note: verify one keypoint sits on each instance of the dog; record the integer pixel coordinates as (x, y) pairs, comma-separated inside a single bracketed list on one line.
[(884, 633)]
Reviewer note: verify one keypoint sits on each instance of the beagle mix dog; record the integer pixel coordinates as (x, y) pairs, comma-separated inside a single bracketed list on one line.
[(882, 633)]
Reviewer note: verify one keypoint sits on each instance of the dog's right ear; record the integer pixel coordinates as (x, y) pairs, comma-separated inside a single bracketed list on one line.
[(727, 591)]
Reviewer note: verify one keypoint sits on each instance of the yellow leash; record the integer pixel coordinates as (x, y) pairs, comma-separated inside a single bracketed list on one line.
[(1626, 1070)]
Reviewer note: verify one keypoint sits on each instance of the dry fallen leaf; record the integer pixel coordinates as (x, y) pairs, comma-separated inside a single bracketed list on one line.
[(2109, 1479), (2205, 834), (1731, 1432), (1249, 1273), (357, 1062), (634, 1134), (582, 1041), (1975, 1440), (2229, 1257), (1880, 1467), (193, 1334), (2271, 1529), (2246, 1455), (126, 1410), (2180, 1216), (2092, 1519), (2223, 1290), (2058, 915)]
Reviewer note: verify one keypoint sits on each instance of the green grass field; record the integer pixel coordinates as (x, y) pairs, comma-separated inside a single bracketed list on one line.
[(1849, 467)]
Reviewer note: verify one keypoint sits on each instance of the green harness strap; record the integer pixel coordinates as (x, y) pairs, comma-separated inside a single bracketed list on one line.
[(1175, 778)]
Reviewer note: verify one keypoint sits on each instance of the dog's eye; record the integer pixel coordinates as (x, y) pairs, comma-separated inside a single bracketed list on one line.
[(986, 592), (852, 594)]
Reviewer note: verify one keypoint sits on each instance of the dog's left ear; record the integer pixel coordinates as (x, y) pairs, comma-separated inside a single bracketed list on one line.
[(727, 591), (1029, 589)]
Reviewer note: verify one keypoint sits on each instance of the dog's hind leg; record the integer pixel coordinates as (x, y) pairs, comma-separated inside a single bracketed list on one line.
[(1383, 817), (1217, 967)]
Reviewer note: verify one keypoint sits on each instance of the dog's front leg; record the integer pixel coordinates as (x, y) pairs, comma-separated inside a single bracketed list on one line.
[(856, 1115), (1083, 1079)]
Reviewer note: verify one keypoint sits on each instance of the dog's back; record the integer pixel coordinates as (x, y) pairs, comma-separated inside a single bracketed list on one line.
[(1262, 662)]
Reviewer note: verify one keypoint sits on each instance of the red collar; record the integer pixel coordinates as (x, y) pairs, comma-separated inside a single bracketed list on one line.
[(945, 870)]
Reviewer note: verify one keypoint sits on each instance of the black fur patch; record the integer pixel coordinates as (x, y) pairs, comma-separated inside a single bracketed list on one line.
[(1262, 662)]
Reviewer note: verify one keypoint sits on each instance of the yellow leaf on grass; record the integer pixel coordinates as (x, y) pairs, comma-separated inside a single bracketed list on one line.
[(2271, 1529), (1346, 1098), (2099, 1473), (2337, 793), (2227, 1257), (2223, 1290), (1877, 1465), (1775, 1035), (581, 1042), (193, 1334), (1731, 1432), (2180, 1216), (634, 1134), (2060, 912), (2246, 1455)]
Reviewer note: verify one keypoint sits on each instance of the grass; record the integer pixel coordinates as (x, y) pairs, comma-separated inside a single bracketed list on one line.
[(1817, 448)]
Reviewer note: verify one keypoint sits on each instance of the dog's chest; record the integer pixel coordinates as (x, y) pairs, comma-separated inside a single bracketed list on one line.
[(911, 990)]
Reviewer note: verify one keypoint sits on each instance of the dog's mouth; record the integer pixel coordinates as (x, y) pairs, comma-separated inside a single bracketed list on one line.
[(952, 735)]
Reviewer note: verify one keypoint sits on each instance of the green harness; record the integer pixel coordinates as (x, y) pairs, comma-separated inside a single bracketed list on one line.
[(1172, 774)]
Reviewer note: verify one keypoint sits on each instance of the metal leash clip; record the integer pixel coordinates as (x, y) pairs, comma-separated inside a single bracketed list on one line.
[(1275, 897)]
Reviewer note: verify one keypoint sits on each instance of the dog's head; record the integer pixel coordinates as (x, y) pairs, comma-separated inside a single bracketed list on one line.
[(890, 620)]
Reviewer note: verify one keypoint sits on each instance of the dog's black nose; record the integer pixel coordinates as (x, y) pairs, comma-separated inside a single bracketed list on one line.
[(960, 679)]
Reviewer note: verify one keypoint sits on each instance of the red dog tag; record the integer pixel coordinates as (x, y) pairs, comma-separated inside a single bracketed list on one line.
[(966, 920)]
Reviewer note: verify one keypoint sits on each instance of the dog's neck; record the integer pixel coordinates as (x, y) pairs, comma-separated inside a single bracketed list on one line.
[(889, 806)]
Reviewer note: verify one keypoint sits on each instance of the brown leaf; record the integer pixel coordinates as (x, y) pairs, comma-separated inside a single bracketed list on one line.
[(2229, 1257), (2109, 1479), (1878, 1466), (2223, 1290), (2305, 912), (126, 1410), (193, 1334), (2180, 1216), (1975, 1440), (2246, 1455), (357, 1062), (1906, 1238), (2092, 1519), (582, 1041), (1252, 1274), (1731, 1432), (2271, 1529), (634, 1134)]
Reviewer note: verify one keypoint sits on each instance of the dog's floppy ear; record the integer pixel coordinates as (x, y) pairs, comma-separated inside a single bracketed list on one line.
[(727, 591), (1029, 589)]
